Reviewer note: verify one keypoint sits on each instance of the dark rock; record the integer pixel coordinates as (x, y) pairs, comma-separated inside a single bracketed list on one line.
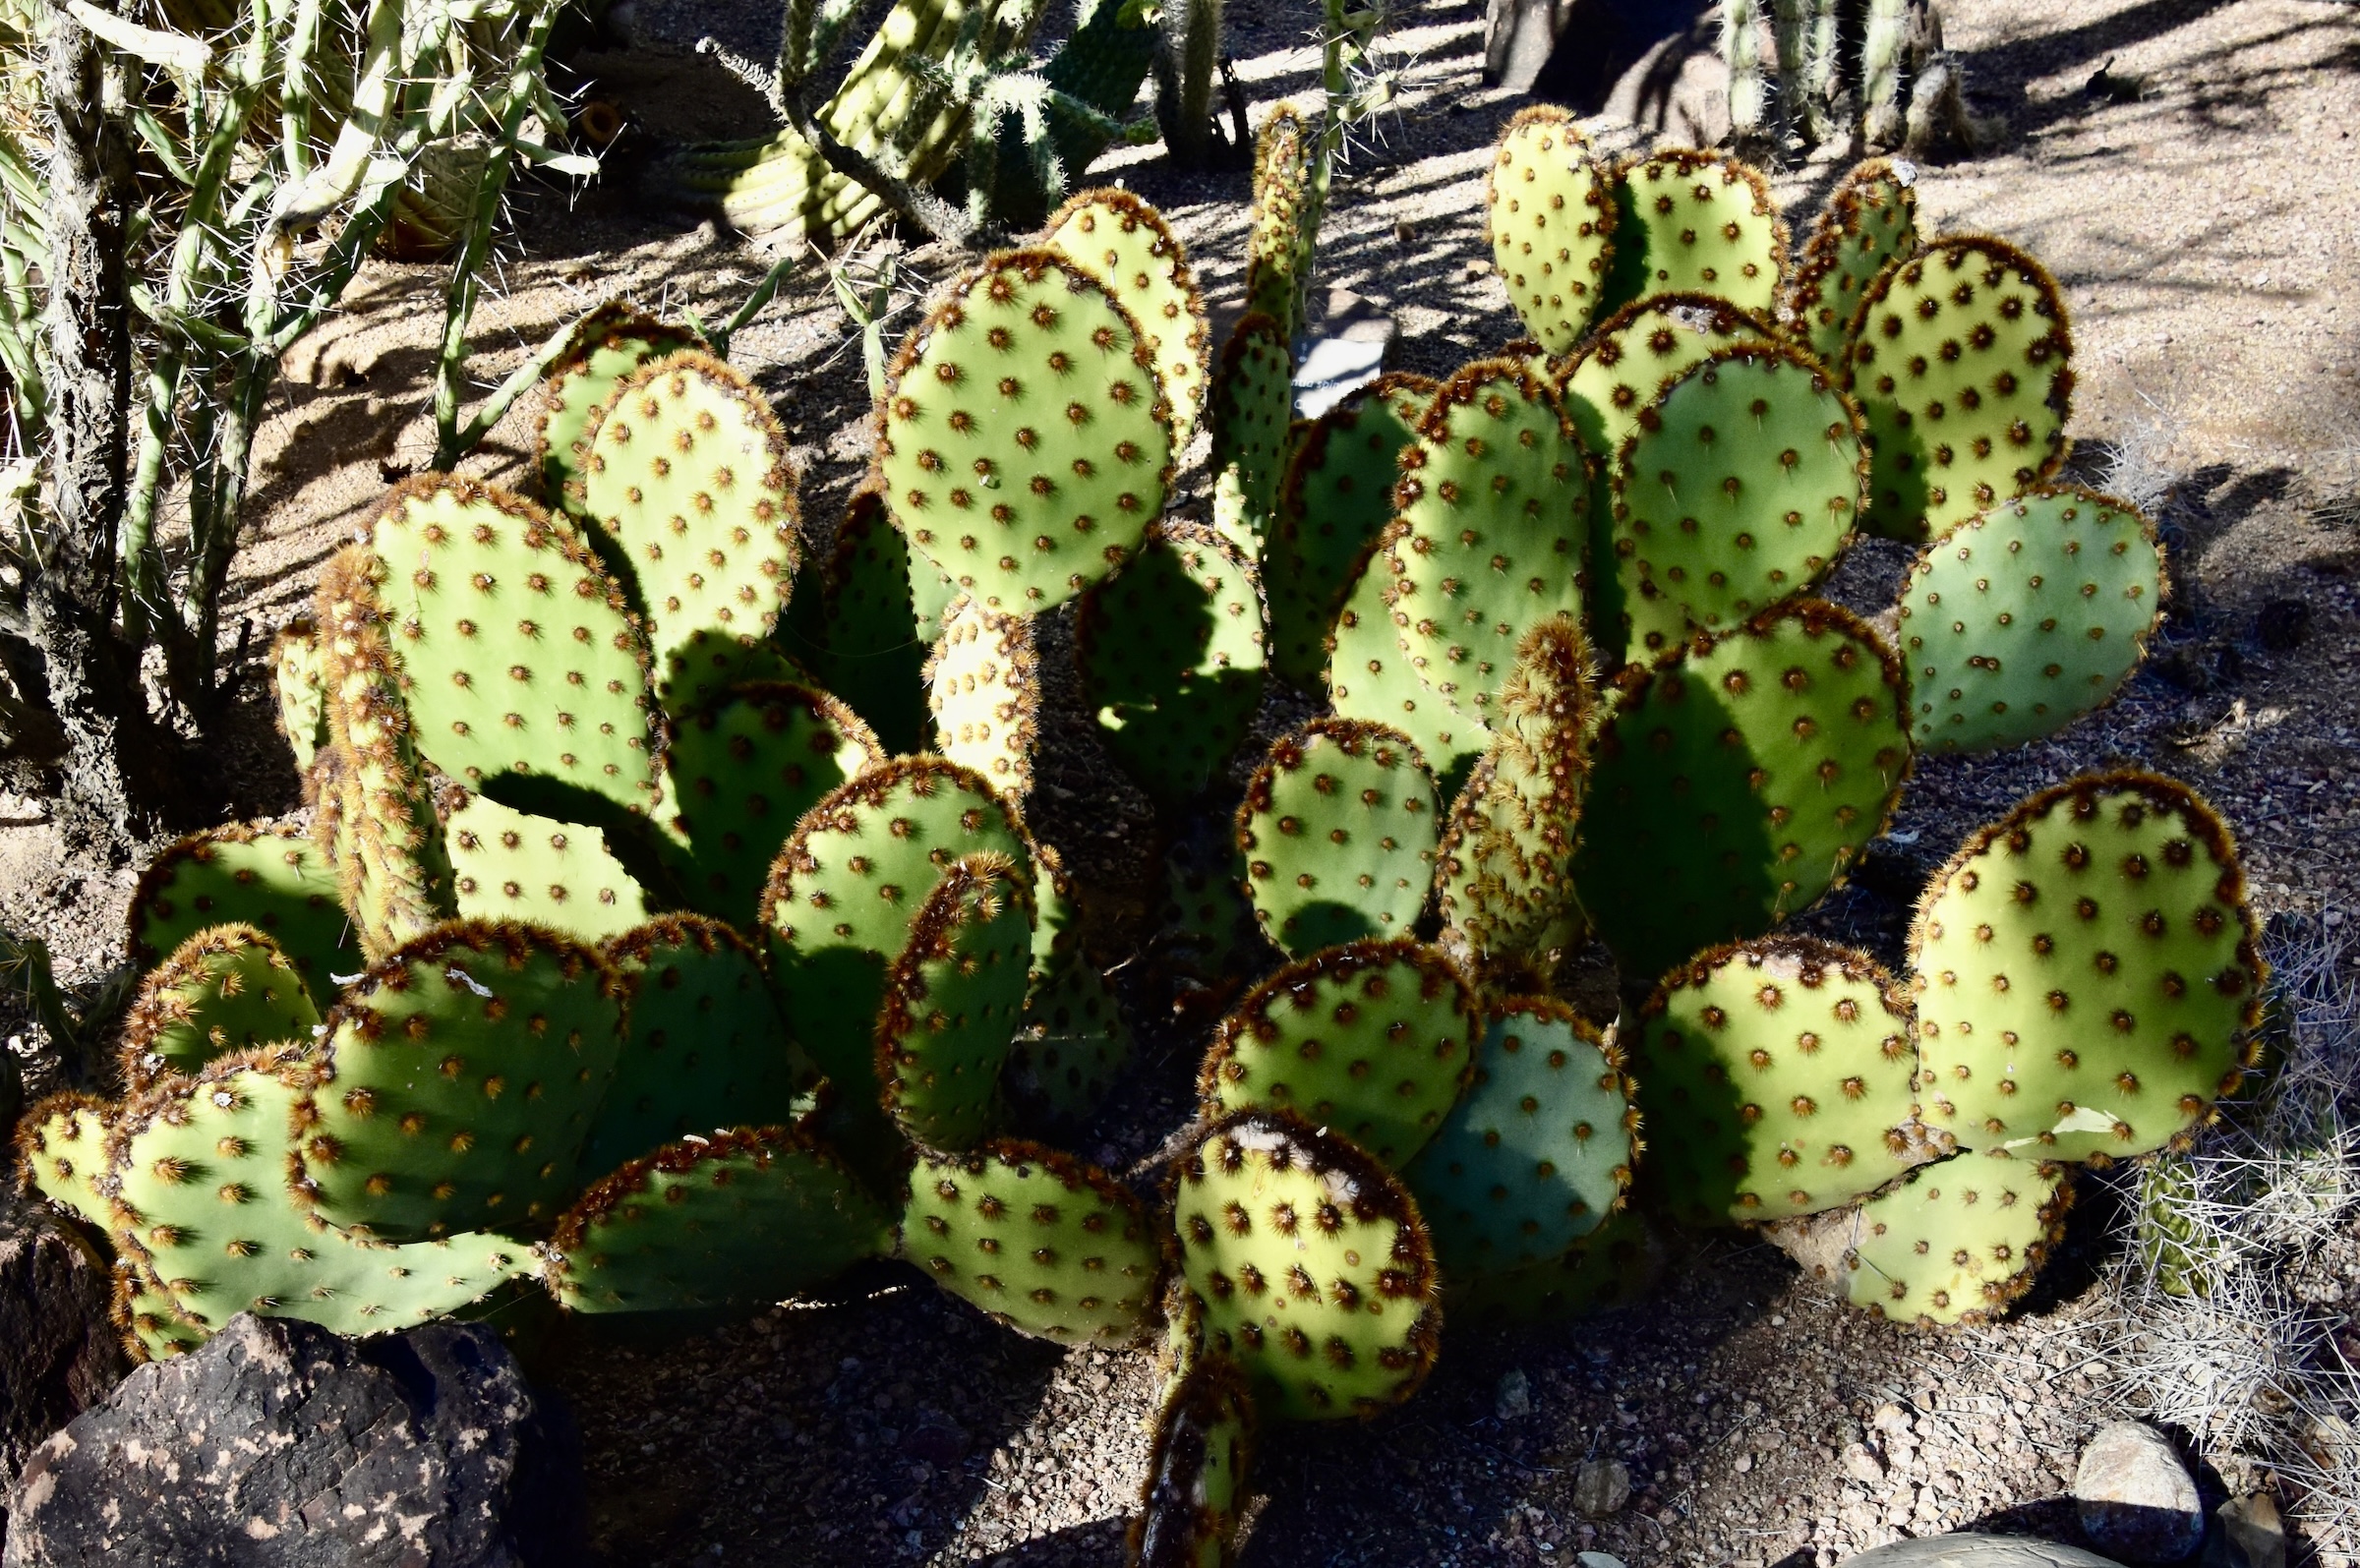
[(2283, 624), (2247, 1533), (282, 1445), (1978, 1551), (2134, 1496), (58, 1352)]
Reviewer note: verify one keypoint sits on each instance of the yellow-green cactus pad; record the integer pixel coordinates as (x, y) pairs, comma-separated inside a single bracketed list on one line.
[(1957, 1242), (1195, 1486), (983, 690), (1551, 219), (227, 988), (1339, 828), (1869, 222), (61, 1154), (608, 344), (513, 865), (1127, 245), (1689, 221), (273, 879), (954, 1000)]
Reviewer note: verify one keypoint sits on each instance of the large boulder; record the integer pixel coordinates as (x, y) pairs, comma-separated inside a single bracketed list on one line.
[(1978, 1551), (2134, 1496), (279, 1445), (58, 1352)]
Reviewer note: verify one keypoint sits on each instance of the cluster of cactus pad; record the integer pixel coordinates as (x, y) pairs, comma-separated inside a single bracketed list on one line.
[(626, 957)]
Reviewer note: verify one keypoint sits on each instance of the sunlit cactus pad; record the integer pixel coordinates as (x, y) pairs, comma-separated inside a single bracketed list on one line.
[(513, 865), (1126, 245), (984, 692), (608, 344), (228, 988), (1869, 222), (1957, 1242), (1688, 221), (1339, 828), (1551, 219)]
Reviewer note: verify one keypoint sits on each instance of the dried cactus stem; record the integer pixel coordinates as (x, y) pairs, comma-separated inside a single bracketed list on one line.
[(1882, 68)]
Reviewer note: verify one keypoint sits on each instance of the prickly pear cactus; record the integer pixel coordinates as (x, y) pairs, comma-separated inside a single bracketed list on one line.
[(608, 344), (954, 1000), (1309, 1263), (1730, 838), (511, 865), (704, 1047), (1127, 246), (1788, 1067), (1869, 222), (227, 988), (1285, 235), (1538, 1153), (1339, 828), (2085, 973), (2022, 618), (737, 1220), (1195, 1486), (457, 1082), (1370, 677), (1688, 221), (1374, 1039), (517, 649), (881, 609), (743, 770), (1250, 414), (1044, 1243), (1024, 442), (273, 879), (1337, 498), (1959, 1240), (1959, 359), (1171, 652), (983, 690), (150, 1327), (1616, 1265), (297, 682), (1209, 922), (685, 473), (1739, 489), (1551, 219), (61, 1153)]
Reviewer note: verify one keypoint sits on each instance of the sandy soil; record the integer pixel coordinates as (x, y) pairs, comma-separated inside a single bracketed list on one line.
[(2201, 228)]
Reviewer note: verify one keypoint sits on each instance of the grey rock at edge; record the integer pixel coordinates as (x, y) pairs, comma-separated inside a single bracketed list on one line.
[(1978, 1551), (58, 1352), (279, 1444), (2134, 1496), (1601, 1486)]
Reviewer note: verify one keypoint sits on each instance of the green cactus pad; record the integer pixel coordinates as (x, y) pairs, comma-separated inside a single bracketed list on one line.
[(273, 879), (517, 649), (1738, 782), (2085, 973), (1375, 1039), (1171, 656), (704, 1047), (61, 1153), (1786, 1065), (1538, 1152), (151, 1326), (1369, 678), (1551, 219), (1195, 1486), (1252, 415), (2022, 618), (709, 663), (1739, 489), (1127, 246), (1285, 231), (225, 989), (740, 1221), (1337, 498), (1309, 1263), (881, 609), (954, 1000), (1047, 1245), (1688, 221), (1494, 494), (1869, 222), (1025, 444), (297, 681), (1074, 1041), (1614, 1266), (1959, 359), (1957, 1242), (1339, 828), (845, 892), (511, 865), (609, 343), (457, 1082), (984, 692), (743, 770)]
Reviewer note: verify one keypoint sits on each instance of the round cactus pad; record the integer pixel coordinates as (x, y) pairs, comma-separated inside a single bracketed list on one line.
[(609, 343), (1338, 829), (228, 988), (1957, 1242), (511, 865), (1550, 218), (1688, 221)]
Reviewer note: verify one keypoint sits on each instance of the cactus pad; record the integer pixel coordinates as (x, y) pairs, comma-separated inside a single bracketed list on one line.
[(1551, 219), (227, 988), (1738, 782), (1375, 1040), (1310, 1266), (739, 1220), (1171, 655), (511, 865), (1738, 489), (1074, 1040), (1869, 222), (1369, 678), (608, 344), (151, 1327), (1786, 1067), (457, 1082), (708, 662), (1338, 829), (1538, 1153), (1127, 246), (273, 879), (61, 1153), (2024, 618), (2086, 972), (1025, 444), (1196, 1487), (1614, 1266), (1251, 415), (297, 681), (954, 1000), (1960, 366), (1285, 231), (983, 689), (1689, 221), (1957, 1242), (1047, 1245)]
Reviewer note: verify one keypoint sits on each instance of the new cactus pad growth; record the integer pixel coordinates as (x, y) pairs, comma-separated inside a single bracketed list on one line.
[(1374, 1039), (1687, 221), (1787, 1064), (983, 690), (954, 1000), (1251, 413), (300, 687), (2085, 973), (1309, 1265), (1127, 246), (1740, 781), (1047, 1245), (228, 988), (1285, 235), (1536, 1153), (1549, 215), (2022, 618), (608, 344), (1025, 445), (1195, 1486), (1338, 829), (273, 879), (1957, 1242), (1958, 361), (1869, 222), (1171, 656)]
